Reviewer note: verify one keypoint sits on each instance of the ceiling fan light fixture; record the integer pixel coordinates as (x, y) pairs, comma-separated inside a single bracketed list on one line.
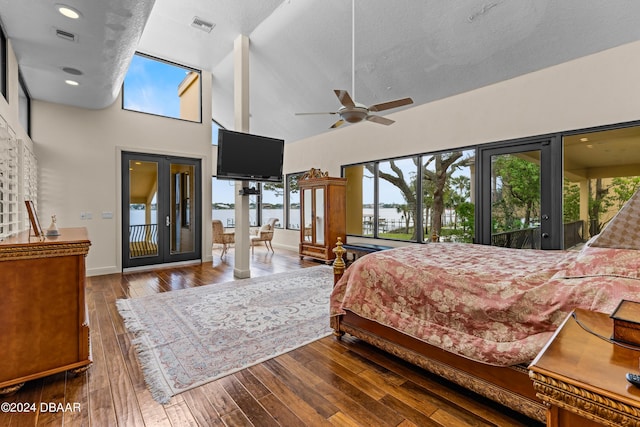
[(68, 11), (353, 115)]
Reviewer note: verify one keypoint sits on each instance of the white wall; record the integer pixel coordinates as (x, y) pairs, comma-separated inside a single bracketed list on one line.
[(595, 90), (79, 151)]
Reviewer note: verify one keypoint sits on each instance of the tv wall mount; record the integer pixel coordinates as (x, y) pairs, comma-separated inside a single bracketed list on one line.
[(249, 191)]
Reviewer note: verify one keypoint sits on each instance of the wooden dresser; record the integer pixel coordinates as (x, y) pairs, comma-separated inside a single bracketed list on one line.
[(43, 315)]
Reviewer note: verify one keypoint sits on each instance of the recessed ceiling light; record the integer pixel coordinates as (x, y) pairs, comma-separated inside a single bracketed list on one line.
[(68, 11), (71, 82)]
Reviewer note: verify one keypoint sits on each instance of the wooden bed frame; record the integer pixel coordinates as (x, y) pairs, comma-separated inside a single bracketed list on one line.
[(509, 386)]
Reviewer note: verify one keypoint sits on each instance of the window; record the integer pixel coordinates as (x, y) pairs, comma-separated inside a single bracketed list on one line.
[(3, 64), (24, 105), (383, 197), (447, 208), (223, 206), (397, 202), (360, 198), (600, 175), (215, 127), (293, 201), (268, 204), (161, 88), (272, 202)]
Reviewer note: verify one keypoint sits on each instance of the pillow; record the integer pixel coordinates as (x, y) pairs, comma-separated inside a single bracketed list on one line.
[(623, 231), (591, 240), (593, 261), (265, 227)]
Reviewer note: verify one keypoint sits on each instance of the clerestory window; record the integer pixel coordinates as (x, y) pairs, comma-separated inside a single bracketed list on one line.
[(162, 88)]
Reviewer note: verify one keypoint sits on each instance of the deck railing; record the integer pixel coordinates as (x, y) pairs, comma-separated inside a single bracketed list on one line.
[(530, 237), (143, 240)]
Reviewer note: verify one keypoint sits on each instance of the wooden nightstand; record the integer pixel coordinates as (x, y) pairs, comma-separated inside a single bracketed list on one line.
[(582, 377)]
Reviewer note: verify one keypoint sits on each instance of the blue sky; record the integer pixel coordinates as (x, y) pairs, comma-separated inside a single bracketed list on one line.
[(151, 86)]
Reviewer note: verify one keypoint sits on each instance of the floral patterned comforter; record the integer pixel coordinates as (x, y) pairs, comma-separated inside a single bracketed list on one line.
[(494, 305)]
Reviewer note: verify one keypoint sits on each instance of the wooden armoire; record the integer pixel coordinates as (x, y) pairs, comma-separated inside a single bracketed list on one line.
[(323, 216)]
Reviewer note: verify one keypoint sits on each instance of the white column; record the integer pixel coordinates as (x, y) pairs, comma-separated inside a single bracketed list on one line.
[(242, 255)]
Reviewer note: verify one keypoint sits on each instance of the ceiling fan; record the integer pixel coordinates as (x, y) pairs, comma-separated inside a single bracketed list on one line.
[(354, 112)]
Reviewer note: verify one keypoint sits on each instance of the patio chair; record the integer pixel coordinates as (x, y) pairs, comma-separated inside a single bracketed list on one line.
[(221, 237), (264, 234)]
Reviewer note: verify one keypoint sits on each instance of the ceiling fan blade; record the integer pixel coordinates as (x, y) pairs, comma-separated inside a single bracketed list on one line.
[(345, 98), (337, 124), (381, 120), (308, 114), (391, 104)]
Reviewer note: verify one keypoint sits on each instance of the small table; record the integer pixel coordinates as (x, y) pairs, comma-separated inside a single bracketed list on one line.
[(582, 377), (360, 249)]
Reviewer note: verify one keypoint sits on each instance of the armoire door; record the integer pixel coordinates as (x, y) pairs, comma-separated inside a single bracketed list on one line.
[(161, 201)]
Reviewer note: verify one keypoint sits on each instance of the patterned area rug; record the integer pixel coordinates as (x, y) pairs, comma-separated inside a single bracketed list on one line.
[(189, 337)]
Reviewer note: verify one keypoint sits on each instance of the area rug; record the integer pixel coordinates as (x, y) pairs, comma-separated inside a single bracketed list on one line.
[(189, 337)]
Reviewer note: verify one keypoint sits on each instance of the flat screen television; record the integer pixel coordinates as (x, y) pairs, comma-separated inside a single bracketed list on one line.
[(247, 157)]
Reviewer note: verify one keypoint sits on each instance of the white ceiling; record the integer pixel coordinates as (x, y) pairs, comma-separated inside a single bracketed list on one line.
[(301, 50)]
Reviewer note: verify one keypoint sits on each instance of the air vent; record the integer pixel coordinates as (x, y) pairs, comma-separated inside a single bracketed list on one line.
[(65, 35), (201, 24)]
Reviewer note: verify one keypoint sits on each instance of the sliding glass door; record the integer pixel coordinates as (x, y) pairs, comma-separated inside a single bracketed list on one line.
[(160, 206)]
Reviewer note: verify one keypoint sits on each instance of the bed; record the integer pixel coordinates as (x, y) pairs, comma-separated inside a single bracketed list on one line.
[(477, 315)]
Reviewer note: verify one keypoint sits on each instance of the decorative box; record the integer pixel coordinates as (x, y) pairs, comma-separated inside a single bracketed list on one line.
[(626, 322)]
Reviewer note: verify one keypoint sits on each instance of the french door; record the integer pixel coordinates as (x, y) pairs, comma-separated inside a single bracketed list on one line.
[(161, 202), (521, 195)]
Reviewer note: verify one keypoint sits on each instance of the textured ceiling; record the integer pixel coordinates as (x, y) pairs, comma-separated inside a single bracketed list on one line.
[(301, 50), (106, 37)]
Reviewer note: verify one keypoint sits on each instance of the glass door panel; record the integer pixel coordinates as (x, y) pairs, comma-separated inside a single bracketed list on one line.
[(515, 200), (319, 215), (182, 215), (307, 215), (143, 209)]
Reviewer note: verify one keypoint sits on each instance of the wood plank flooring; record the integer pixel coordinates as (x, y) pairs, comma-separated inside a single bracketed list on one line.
[(329, 382)]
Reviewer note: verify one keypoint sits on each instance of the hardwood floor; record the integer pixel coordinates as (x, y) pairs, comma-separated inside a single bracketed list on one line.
[(329, 382)]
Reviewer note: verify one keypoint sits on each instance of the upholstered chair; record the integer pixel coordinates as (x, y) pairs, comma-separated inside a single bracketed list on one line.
[(264, 234), (221, 237)]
